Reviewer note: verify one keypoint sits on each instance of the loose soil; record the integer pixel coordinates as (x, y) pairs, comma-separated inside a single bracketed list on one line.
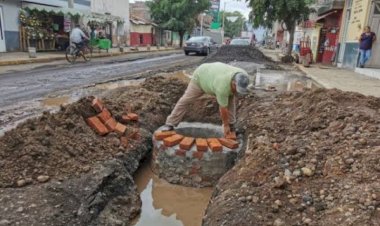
[(89, 177), (229, 53), (311, 158)]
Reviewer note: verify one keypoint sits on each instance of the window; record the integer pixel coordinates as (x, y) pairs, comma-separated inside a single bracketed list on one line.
[(377, 8), (141, 39)]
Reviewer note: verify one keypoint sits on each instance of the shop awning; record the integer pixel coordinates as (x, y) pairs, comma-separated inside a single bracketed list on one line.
[(325, 15), (54, 10), (329, 5), (103, 18)]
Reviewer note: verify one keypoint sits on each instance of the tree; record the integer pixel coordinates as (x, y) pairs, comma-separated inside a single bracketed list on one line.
[(177, 15), (287, 12), (233, 23)]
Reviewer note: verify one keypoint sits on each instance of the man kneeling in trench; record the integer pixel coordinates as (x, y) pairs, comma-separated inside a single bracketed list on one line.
[(220, 80)]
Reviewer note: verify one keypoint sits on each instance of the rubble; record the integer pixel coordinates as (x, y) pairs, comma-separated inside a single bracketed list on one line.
[(314, 160)]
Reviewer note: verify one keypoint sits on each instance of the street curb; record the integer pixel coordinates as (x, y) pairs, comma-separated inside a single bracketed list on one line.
[(314, 78), (51, 59)]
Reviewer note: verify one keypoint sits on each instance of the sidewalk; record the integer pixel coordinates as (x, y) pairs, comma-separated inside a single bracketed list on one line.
[(16, 58), (332, 77)]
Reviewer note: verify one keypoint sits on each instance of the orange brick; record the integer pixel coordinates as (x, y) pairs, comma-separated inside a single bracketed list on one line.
[(97, 105), (125, 119), (111, 124), (198, 155), (104, 115), (173, 140), (187, 143), (232, 144), (133, 116), (97, 125), (201, 144), (231, 136), (120, 128), (124, 141), (160, 135), (180, 152), (214, 144)]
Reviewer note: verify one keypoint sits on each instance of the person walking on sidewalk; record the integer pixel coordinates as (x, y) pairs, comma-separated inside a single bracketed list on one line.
[(366, 40), (220, 80)]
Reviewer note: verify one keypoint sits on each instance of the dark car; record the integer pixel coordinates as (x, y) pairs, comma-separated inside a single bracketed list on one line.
[(201, 45)]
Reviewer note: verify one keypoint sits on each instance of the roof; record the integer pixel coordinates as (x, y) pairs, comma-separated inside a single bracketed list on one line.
[(87, 15), (54, 10), (140, 21)]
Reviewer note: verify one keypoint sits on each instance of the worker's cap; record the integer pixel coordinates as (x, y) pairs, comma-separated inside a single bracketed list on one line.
[(242, 82)]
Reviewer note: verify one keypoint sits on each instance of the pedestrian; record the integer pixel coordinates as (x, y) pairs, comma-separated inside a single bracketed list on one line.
[(365, 43), (221, 80)]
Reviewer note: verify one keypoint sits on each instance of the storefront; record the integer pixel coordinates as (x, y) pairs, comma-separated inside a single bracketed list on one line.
[(104, 26), (357, 15), (46, 28), (329, 36)]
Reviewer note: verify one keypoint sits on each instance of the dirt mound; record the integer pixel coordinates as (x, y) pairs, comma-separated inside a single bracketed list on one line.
[(228, 53), (61, 145), (311, 159)]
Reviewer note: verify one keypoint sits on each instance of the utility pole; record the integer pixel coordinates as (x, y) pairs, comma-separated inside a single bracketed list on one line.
[(70, 4), (224, 12), (202, 24)]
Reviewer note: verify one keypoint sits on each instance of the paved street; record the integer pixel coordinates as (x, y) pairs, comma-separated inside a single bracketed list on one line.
[(24, 85), (27, 90)]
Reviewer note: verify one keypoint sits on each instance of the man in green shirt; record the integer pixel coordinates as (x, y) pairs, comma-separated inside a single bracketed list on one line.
[(220, 80)]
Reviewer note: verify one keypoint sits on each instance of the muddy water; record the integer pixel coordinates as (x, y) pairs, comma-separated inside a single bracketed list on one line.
[(164, 204), (283, 80)]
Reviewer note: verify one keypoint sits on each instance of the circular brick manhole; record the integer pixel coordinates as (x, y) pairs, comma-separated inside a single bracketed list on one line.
[(195, 154)]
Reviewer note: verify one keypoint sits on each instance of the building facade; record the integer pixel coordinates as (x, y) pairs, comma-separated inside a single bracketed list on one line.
[(9, 25), (118, 28), (357, 14)]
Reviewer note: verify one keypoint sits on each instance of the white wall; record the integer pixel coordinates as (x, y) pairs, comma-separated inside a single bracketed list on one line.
[(117, 8), (11, 11)]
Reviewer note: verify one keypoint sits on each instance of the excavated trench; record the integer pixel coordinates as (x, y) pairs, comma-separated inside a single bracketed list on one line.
[(165, 203)]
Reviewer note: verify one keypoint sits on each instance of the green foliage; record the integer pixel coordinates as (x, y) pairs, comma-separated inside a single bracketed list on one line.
[(177, 15), (289, 12), (265, 12), (232, 28)]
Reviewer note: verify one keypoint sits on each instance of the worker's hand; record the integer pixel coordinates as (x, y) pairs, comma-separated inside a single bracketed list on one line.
[(227, 130)]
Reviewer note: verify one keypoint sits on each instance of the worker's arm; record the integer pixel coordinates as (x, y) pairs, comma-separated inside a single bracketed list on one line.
[(224, 114)]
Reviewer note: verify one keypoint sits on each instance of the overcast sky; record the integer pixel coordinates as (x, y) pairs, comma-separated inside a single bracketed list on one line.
[(234, 5), (231, 6)]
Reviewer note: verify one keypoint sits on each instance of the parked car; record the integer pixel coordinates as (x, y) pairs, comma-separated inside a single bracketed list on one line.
[(240, 42), (200, 45)]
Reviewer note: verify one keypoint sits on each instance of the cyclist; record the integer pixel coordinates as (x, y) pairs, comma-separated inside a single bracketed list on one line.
[(77, 37)]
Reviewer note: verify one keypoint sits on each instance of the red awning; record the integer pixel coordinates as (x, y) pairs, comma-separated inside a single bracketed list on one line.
[(326, 15)]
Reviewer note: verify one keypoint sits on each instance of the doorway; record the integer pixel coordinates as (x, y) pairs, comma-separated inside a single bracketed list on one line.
[(2, 35), (375, 27)]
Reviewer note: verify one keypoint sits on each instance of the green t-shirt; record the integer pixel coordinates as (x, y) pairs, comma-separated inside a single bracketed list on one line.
[(215, 79)]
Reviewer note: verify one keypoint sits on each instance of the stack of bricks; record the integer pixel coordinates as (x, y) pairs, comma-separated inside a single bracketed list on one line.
[(171, 139), (103, 123)]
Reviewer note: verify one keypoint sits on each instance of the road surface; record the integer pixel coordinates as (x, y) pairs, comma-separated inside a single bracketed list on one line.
[(23, 90)]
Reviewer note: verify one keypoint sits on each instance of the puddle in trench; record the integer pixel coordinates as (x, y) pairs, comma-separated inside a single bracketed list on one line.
[(165, 204), (283, 80)]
